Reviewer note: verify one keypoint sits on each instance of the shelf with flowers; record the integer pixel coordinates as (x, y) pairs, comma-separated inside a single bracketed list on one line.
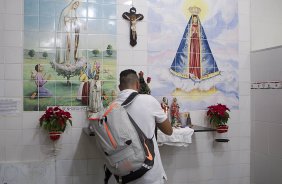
[(218, 116), (55, 120)]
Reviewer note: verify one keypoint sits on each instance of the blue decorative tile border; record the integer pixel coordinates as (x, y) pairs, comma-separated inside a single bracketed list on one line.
[(267, 85)]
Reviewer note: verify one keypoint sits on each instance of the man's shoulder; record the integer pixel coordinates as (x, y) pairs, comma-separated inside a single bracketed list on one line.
[(145, 96), (140, 98)]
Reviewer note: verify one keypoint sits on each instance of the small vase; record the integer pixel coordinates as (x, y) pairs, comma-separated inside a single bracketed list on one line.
[(222, 128), (54, 135)]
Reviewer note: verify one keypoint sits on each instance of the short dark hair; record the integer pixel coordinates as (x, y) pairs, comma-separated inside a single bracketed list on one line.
[(127, 78), (36, 67)]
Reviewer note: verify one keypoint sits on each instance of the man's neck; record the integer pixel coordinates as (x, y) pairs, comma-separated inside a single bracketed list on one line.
[(128, 89)]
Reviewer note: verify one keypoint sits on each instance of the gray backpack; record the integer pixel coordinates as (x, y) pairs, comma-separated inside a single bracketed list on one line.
[(128, 153)]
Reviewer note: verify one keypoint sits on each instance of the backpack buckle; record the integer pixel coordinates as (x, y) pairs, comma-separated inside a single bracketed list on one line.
[(120, 180), (101, 122)]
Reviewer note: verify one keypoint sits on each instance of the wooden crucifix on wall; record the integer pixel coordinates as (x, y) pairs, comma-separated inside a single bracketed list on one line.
[(132, 17)]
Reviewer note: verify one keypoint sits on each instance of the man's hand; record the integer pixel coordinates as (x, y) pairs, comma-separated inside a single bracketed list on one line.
[(165, 127)]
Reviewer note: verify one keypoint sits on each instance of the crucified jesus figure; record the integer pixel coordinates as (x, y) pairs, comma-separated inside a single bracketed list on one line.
[(132, 17)]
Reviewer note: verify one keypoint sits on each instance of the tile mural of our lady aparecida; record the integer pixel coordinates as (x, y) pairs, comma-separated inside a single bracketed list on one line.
[(66, 44), (193, 52)]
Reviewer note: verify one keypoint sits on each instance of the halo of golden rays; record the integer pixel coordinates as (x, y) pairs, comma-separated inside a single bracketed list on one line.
[(198, 3)]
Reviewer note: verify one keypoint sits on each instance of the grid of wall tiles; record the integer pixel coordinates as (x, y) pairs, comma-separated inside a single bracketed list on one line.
[(203, 162), (66, 45), (266, 149)]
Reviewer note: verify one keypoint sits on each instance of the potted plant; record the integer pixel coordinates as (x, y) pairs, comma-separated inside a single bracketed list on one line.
[(218, 116), (55, 121)]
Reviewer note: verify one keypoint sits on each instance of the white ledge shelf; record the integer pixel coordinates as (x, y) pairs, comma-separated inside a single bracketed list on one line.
[(198, 128)]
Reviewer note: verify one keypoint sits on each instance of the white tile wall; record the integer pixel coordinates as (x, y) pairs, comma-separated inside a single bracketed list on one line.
[(245, 143), (2, 153), (267, 106), (13, 55), (1, 41), (12, 123), (244, 47), (79, 167), (81, 150), (78, 135), (1, 27), (234, 128), (2, 73), (13, 153), (244, 180), (2, 82), (13, 22), (17, 172), (80, 120), (139, 57), (1, 53), (66, 152), (48, 150), (275, 168), (78, 161), (244, 75), (30, 153), (245, 157), (9, 88), (260, 24), (244, 88), (31, 137), (261, 142), (13, 6), (94, 166), (245, 130), (244, 7), (2, 8), (80, 179), (30, 119), (13, 38), (125, 58), (261, 168), (266, 122), (12, 137), (66, 138), (121, 42), (64, 167), (275, 139), (244, 34), (244, 60), (64, 180), (15, 72)]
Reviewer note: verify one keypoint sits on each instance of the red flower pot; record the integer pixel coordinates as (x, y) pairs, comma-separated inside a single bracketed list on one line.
[(55, 135), (222, 128)]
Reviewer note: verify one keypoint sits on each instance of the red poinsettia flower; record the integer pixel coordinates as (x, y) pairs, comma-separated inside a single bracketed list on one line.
[(218, 114), (56, 108), (55, 119)]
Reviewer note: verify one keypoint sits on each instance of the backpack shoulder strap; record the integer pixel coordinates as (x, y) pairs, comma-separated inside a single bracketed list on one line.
[(129, 99)]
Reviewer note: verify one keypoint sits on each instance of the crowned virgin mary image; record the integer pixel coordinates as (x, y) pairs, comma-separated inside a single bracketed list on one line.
[(194, 59)]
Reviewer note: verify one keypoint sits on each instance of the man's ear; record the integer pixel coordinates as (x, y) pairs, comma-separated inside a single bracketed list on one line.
[(137, 86), (120, 88)]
